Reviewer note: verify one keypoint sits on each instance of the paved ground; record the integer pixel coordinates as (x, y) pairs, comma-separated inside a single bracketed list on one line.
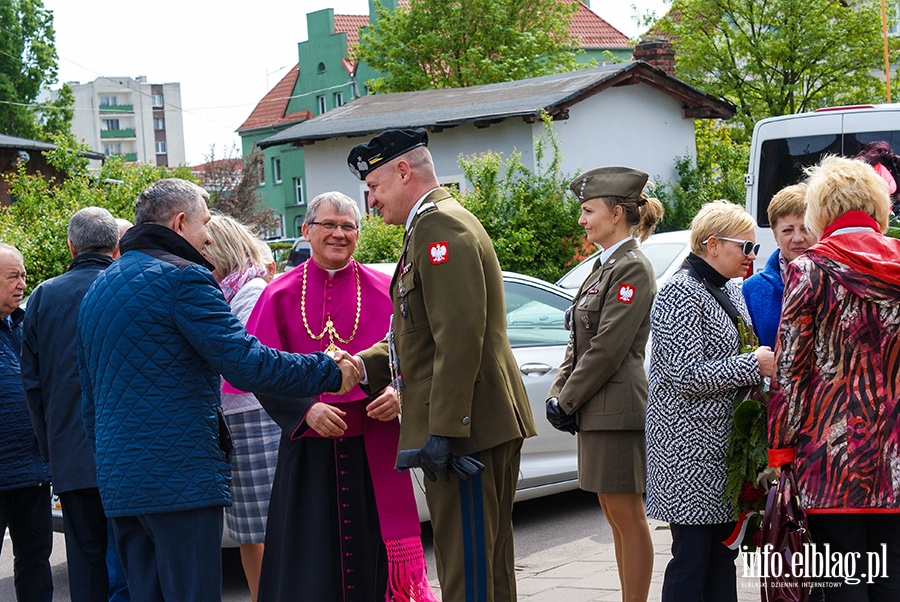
[(585, 571), (555, 563)]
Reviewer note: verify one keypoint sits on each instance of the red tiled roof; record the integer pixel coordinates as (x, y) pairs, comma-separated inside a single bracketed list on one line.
[(350, 24), (270, 110), (592, 31)]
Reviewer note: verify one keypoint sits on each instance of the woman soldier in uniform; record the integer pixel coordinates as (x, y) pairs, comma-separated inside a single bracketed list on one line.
[(600, 391)]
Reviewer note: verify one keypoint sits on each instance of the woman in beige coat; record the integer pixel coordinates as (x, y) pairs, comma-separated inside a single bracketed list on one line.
[(600, 391)]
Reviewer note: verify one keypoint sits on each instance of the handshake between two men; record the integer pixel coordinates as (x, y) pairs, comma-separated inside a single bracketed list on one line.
[(434, 457)]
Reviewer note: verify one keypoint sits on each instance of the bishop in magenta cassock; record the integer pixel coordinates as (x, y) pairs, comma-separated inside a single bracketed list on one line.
[(342, 522)]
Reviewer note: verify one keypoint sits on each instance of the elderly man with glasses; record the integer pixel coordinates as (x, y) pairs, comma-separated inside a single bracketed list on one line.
[(342, 521)]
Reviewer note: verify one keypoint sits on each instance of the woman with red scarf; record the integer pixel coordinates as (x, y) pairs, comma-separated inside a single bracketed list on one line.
[(834, 410)]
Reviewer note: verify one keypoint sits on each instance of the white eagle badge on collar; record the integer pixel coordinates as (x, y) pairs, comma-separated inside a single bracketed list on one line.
[(439, 252), (626, 294)]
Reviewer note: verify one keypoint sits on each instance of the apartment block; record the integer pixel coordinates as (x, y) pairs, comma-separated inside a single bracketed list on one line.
[(132, 118)]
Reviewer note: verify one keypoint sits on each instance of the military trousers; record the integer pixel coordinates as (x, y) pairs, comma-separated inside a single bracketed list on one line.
[(472, 525)]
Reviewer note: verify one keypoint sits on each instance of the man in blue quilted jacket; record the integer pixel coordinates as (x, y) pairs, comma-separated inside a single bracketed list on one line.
[(155, 335)]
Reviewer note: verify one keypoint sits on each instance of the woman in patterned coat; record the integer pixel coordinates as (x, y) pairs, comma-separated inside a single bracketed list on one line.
[(834, 411), (695, 371)]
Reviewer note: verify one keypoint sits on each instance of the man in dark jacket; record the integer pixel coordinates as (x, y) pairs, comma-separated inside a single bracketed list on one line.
[(50, 374), (156, 333), (24, 476)]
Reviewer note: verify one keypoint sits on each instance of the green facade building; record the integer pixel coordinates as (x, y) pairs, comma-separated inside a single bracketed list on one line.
[(325, 78)]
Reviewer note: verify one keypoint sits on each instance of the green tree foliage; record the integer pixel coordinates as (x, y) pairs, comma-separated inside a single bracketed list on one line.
[(718, 173), (28, 63), (37, 220), (56, 115), (378, 242), (447, 44), (777, 57), (530, 216)]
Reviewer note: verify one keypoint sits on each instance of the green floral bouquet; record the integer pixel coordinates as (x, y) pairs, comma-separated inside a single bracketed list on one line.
[(746, 459)]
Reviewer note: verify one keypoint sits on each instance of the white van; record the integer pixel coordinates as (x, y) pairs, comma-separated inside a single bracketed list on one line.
[(782, 146)]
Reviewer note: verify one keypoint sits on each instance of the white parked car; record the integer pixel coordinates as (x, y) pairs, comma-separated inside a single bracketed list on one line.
[(665, 251)]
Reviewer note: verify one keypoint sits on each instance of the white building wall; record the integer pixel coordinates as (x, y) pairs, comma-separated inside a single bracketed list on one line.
[(174, 124), (635, 126)]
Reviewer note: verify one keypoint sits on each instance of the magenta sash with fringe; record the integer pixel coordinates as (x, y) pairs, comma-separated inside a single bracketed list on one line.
[(394, 500)]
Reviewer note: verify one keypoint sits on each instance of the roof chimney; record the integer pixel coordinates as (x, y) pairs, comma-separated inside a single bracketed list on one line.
[(657, 51)]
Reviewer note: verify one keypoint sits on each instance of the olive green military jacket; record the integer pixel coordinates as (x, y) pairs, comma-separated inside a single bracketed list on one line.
[(460, 377), (602, 376)]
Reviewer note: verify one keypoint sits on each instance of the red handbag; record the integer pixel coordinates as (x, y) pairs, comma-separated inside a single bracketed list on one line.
[(785, 529)]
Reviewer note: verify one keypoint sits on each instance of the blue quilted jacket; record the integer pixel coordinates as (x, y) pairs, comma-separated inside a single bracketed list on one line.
[(21, 464), (155, 335)]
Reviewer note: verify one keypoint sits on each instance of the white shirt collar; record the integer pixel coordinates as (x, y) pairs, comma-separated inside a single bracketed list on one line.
[(607, 253), (415, 208)]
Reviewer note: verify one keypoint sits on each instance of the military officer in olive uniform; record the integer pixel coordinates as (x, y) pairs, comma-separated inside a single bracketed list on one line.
[(463, 401), (600, 390)]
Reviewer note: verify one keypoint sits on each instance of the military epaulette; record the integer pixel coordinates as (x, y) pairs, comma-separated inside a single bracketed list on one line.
[(426, 208)]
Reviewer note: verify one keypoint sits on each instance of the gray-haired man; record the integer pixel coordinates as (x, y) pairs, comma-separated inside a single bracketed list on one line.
[(50, 374)]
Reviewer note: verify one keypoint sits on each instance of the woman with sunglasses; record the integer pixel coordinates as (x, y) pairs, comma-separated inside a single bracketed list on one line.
[(695, 370)]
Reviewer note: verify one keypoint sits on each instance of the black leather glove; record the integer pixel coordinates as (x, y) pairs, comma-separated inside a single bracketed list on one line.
[(433, 458), (559, 419), (465, 466)]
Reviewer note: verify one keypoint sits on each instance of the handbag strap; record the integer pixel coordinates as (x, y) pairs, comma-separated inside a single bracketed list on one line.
[(717, 293)]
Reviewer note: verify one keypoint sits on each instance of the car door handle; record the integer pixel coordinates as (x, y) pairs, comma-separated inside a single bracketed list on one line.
[(535, 369)]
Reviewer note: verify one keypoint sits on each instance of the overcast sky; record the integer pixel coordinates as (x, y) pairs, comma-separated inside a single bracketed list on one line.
[(226, 57)]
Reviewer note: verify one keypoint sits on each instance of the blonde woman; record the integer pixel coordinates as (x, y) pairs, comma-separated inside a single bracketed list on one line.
[(241, 272), (600, 391), (833, 410), (695, 371)]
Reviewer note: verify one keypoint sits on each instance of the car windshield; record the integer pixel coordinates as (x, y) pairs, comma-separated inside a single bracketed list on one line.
[(534, 316), (660, 254)]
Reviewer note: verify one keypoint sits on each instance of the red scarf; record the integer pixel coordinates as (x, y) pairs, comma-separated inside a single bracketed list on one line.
[(869, 252)]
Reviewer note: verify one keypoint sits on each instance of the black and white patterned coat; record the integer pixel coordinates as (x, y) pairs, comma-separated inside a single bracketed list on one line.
[(694, 373)]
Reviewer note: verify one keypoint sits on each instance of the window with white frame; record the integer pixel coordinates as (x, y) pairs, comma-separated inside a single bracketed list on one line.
[(159, 123), (338, 99), (320, 100), (161, 147), (108, 101), (276, 170), (262, 174), (110, 124), (114, 148), (298, 191), (157, 100)]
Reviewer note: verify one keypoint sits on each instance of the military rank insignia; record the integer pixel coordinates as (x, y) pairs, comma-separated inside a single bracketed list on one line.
[(626, 294), (439, 252)]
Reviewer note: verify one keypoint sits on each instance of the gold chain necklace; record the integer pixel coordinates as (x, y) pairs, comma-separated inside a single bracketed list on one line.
[(329, 325)]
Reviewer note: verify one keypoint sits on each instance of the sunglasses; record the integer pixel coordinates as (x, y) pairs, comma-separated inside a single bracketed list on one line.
[(748, 247)]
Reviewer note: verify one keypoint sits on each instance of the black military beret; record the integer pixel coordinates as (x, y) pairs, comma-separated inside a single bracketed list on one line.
[(609, 181), (364, 158)]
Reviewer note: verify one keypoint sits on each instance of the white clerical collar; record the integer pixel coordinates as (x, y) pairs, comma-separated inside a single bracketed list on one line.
[(331, 273), (607, 253), (415, 208)]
